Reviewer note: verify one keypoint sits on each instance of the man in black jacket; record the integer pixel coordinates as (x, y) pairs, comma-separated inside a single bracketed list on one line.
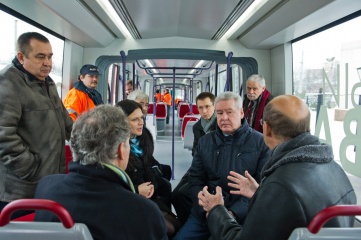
[(180, 198), (285, 199)]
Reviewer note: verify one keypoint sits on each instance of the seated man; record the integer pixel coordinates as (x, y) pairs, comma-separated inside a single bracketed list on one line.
[(300, 179), (233, 146), (97, 191)]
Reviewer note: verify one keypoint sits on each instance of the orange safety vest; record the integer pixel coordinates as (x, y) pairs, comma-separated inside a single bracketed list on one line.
[(167, 99), (76, 102), (157, 97)]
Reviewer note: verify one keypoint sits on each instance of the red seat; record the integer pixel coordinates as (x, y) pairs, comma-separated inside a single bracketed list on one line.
[(195, 109), (68, 157), (188, 117), (183, 109), (161, 110), (27, 218), (151, 108)]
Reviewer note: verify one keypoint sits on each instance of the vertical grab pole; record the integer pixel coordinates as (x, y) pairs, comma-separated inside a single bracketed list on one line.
[(173, 103), (230, 54), (124, 64)]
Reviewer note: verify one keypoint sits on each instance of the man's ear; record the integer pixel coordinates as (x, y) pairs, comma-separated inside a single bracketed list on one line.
[(267, 131), (20, 57)]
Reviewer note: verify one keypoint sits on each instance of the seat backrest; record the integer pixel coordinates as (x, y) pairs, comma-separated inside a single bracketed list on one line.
[(183, 109), (315, 230), (151, 108), (66, 229), (161, 110), (188, 135), (195, 109), (188, 117)]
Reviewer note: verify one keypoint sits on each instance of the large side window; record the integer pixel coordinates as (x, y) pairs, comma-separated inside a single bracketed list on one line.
[(327, 76), (11, 28)]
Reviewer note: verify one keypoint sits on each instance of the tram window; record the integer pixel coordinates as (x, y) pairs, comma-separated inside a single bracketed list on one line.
[(237, 80), (327, 75), (222, 79), (12, 28)]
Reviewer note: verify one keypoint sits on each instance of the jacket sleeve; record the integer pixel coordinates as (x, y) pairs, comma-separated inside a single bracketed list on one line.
[(14, 152), (73, 104), (221, 225)]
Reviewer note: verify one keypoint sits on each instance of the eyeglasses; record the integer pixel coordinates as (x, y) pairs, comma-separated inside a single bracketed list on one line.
[(261, 121)]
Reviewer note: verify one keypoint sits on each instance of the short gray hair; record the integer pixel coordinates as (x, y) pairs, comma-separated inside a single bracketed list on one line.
[(225, 96), (257, 78), (137, 94), (97, 134)]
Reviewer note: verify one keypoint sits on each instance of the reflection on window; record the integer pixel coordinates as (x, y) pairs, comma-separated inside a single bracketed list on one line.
[(325, 76), (12, 28)]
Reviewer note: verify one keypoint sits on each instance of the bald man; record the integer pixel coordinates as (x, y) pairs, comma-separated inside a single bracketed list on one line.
[(299, 179)]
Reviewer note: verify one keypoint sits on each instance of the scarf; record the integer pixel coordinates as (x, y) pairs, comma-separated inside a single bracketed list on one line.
[(92, 93), (207, 124), (135, 148), (123, 175)]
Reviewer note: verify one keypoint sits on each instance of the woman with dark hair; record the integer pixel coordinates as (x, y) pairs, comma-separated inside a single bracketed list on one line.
[(143, 168)]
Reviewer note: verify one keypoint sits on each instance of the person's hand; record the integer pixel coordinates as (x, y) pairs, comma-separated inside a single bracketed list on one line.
[(208, 201), (146, 189), (245, 186)]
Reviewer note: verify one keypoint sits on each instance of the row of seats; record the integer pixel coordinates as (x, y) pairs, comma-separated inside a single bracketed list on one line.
[(67, 229)]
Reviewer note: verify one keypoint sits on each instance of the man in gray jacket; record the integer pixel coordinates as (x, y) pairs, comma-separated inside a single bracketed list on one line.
[(33, 121), (300, 179)]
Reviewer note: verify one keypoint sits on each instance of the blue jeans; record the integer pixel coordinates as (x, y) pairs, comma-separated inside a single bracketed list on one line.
[(193, 229)]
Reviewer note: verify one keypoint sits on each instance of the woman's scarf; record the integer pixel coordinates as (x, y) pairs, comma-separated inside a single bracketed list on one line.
[(135, 148), (122, 174)]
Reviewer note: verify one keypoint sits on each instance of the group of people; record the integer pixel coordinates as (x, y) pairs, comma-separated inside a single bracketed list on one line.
[(253, 160)]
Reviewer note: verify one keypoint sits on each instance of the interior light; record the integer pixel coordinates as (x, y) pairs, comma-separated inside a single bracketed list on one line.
[(253, 8), (108, 8)]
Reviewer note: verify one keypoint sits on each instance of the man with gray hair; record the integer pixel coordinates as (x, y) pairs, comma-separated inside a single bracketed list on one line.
[(233, 146), (141, 98), (97, 191), (255, 100)]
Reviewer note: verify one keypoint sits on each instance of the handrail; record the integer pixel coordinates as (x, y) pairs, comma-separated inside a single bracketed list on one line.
[(326, 214), (36, 204)]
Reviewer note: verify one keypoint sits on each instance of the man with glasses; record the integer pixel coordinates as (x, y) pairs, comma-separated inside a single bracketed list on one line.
[(284, 200), (255, 100), (83, 96), (181, 199)]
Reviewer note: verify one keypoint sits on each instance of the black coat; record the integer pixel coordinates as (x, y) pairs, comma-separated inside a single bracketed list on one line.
[(97, 197), (300, 179), (216, 156)]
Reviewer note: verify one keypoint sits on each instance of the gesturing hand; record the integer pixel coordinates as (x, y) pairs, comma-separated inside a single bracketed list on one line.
[(245, 186)]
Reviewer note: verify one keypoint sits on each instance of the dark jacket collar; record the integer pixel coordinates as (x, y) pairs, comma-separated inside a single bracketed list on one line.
[(303, 148)]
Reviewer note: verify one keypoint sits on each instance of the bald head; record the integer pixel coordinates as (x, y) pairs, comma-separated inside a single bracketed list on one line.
[(288, 116)]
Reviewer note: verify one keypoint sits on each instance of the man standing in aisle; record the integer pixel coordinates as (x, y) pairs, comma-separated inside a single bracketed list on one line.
[(83, 96), (33, 121), (255, 100), (167, 98)]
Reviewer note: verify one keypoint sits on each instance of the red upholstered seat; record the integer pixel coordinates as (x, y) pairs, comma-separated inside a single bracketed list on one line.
[(161, 111), (151, 108), (183, 109), (195, 109)]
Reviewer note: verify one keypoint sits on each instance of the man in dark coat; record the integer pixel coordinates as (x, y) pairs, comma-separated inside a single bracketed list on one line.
[(233, 146), (97, 191), (284, 199), (255, 100), (181, 199)]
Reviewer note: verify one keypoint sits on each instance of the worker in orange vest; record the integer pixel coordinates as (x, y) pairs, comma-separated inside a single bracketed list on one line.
[(83, 96), (167, 99)]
